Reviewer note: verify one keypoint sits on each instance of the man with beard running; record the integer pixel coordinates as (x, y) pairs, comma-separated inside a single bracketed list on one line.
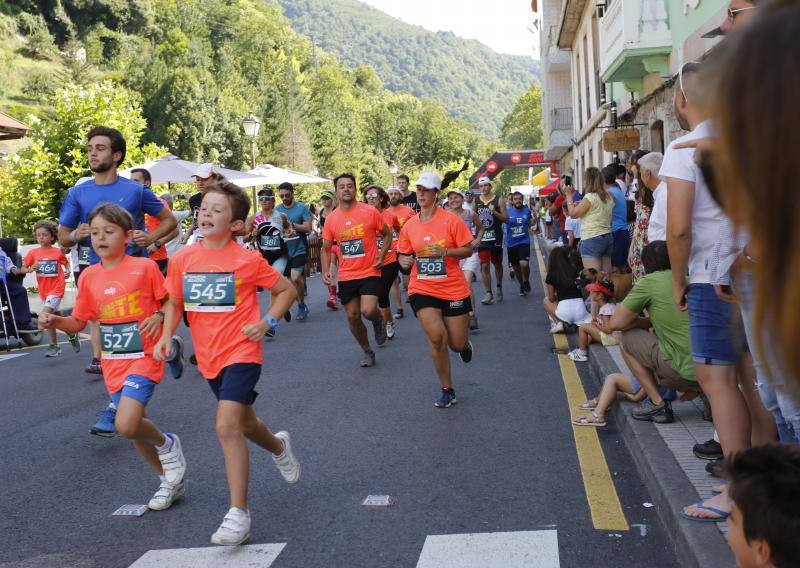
[(356, 227), (518, 241), (403, 214), (106, 150), (491, 210)]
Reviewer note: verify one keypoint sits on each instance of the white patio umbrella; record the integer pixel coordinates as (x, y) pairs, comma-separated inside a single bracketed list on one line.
[(277, 175), (171, 169)]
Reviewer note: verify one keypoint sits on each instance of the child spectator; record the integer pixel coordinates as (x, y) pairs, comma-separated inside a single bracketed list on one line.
[(602, 293), (48, 262), (215, 281), (764, 522), (563, 301)]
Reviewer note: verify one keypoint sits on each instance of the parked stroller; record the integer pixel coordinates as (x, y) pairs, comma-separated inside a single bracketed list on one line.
[(9, 329)]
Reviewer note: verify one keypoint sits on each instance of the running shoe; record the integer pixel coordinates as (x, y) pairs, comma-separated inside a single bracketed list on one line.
[(578, 355), (446, 399), (53, 350), (368, 360), (466, 354), (390, 330), (380, 331), (94, 368), (499, 296), (398, 314), (75, 341), (105, 425), (286, 463), (302, 312), (487, 299), (166, 495), (172, 461), (557, 327), (473, 322), (235, 528), (332, 303), (176, 360)]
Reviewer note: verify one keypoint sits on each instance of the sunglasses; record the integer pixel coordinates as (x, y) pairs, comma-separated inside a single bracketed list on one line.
[(733, 13)]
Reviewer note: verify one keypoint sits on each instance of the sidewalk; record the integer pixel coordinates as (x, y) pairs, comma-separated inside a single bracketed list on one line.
[(663, 452)]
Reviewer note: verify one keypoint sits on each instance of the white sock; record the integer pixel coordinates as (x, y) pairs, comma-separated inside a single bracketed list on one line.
[(167, 445)]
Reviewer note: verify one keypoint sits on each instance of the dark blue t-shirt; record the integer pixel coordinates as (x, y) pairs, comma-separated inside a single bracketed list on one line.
[(132, 196), (519, 221)]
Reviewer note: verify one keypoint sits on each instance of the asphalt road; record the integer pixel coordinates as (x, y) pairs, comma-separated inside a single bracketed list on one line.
[(502, 461)]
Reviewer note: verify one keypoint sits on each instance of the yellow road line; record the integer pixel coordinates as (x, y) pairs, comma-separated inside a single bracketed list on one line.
[(604, 504)]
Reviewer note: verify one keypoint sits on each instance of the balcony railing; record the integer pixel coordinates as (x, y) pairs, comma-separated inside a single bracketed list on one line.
[(631, 26)]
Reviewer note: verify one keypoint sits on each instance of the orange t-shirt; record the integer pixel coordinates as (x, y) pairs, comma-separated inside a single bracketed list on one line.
[(440, 278), (50, 277), (403, 213), (394, 224), (356, 232), (120, 299), (217, 288), (152, 223)]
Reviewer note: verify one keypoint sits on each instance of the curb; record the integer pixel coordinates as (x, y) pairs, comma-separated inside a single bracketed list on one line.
[(696, 545)]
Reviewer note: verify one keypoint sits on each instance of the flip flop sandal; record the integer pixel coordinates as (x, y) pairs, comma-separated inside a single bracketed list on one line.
[(588, 405), (589, 421), (723, 516)]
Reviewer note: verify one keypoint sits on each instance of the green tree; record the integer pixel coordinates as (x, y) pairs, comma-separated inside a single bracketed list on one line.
[(36, 179)]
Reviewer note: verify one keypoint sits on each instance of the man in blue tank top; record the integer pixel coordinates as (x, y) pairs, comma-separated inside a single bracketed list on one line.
[(518, 241)]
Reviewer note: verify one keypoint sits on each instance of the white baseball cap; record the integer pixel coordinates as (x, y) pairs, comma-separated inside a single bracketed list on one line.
[(484, 181), (429, 180), (204, 170)]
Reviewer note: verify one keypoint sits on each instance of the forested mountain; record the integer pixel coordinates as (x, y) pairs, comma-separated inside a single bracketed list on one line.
[(473, 82)]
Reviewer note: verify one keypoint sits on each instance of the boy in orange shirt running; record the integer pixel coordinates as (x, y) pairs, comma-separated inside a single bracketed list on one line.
[(215, 281), (48, 262), (124, 294)]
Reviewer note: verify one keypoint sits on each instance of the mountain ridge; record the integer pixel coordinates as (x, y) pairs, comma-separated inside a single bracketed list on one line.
[(475, 83)]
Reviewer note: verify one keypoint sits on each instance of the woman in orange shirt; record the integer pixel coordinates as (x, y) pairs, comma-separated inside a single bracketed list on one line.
[(430, 246)]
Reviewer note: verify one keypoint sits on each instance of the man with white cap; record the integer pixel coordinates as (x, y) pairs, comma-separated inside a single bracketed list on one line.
[(471, 265), (355, 227), (491, 210), (431, 245)]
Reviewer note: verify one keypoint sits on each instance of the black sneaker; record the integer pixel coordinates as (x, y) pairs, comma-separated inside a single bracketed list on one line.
[(710, 450), (446, 399), (716, 468), (466, 354), (647, 410)]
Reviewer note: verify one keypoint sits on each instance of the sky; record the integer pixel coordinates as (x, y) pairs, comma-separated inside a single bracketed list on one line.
[(500, 24)]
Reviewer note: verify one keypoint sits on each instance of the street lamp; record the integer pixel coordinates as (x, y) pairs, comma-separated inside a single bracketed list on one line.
[(251, 126)]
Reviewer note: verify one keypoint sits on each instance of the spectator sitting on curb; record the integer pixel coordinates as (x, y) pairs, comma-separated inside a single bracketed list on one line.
[(765, 514), (665, 357)]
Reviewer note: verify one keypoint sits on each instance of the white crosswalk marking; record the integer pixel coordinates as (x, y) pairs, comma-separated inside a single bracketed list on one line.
[(524, 549), (11, 356), (251, 555)]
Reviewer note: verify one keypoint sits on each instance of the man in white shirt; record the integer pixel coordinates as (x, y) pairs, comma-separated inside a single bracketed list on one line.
[(693, 225), (649, 165)]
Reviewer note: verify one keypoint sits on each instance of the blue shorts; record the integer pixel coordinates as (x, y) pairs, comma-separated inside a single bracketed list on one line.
[(137, 387), (237, 382), (622, 242), (597, 247), (711, 327)]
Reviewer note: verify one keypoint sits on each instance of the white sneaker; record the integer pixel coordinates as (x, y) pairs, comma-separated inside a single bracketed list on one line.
[(578, 355), (235, 528), (390, 330), (166, 495), (286, 463), (173, 462), (557, 327)]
